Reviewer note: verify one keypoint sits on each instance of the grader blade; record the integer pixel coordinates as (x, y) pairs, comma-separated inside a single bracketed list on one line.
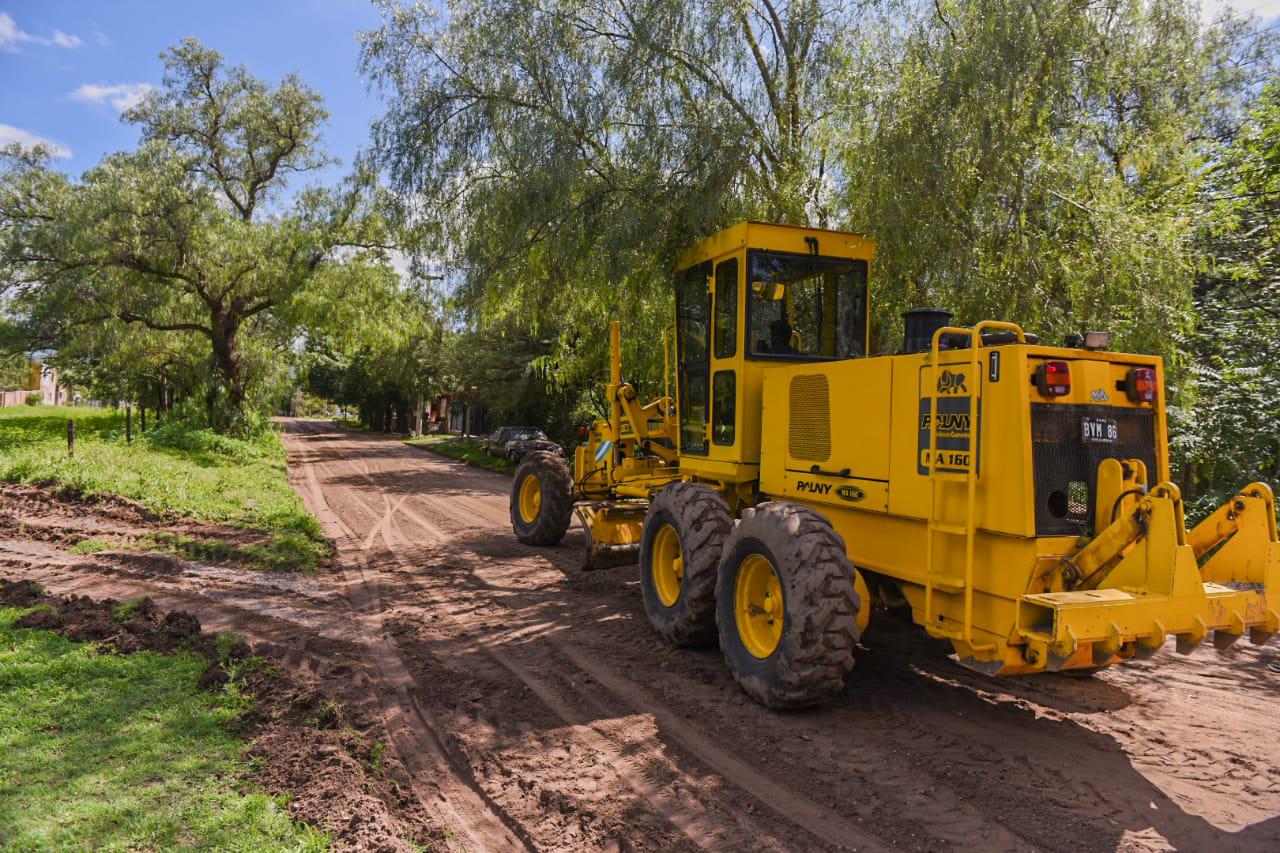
[(612, 533)]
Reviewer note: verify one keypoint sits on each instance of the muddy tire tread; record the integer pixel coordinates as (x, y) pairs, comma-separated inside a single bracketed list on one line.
[(556, 511), (816, 650), (703, 513)]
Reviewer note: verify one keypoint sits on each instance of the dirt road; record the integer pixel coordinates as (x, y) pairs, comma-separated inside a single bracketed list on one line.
[(531, 706)]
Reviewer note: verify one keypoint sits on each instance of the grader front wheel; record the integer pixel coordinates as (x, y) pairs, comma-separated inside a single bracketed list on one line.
[(541, 499), (787, 606), (684, 530)]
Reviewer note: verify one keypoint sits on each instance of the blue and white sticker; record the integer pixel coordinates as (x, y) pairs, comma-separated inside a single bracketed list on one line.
[(603, 450)]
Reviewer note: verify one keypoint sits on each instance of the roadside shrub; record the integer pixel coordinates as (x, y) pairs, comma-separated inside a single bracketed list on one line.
[(35, 398), (181, 436)]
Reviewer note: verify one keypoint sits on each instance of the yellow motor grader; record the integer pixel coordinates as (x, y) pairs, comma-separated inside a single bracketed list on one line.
[(1011, 497)]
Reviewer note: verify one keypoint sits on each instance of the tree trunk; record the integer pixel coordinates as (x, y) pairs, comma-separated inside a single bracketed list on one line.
[(226, 357)]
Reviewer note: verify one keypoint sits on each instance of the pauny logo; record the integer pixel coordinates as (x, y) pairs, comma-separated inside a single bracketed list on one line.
[(951, 383), (813, 488)]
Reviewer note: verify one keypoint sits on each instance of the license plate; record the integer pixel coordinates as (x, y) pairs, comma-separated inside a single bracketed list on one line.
[(1100, 430)]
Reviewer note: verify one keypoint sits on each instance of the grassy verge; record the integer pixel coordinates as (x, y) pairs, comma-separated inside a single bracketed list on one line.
[(468, 450), (123, 752), (350, 423), (171, 468)]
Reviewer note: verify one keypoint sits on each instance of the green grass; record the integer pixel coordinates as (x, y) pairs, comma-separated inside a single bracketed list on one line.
[(171, 468), (468, 450), (91, 546), (122, 752), (350, 423)]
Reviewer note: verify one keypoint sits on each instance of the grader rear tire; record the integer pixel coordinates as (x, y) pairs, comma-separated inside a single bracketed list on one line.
[(541, 499), (786, 606), (684, 531)]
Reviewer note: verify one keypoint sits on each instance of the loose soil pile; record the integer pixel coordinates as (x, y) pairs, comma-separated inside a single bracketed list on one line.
[(124, 628)]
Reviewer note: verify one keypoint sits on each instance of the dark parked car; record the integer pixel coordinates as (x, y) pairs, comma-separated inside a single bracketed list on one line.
[(513, 442)]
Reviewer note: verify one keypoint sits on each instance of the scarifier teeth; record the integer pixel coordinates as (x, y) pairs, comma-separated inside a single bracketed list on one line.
[(1224, 640), (1187, 643)]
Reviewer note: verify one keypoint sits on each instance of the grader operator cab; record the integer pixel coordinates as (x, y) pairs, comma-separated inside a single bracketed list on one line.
[(1010, 497)]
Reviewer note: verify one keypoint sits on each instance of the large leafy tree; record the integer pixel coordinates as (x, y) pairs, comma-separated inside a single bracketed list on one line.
[(1039, 160), (1226, 435), (192, 233), (565, 150), (388, 361)]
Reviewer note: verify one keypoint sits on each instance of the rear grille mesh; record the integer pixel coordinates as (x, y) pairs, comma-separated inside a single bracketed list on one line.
[(809, 434), (1066, 466)]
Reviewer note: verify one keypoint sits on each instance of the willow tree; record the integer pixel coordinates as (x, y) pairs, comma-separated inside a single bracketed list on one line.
[(191, 233), (1039, 161), (560, 152), (1224, 432)]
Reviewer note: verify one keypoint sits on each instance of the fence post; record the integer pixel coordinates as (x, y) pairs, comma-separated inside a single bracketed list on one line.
[(128, 424), (142, 410), (71, 437)]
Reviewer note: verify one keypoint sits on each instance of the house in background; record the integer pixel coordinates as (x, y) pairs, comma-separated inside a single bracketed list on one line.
[(53, 392), (44, 380)]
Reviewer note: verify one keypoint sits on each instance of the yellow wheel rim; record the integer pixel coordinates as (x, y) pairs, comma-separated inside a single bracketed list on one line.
[(530, 499), (757, 606), (668, 565)]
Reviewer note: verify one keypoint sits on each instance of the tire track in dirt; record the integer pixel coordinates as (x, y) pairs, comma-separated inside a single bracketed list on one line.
[(415, 734), (690, 817), (947, 820)]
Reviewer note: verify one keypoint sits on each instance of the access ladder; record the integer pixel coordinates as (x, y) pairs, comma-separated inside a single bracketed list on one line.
[(935, 579)]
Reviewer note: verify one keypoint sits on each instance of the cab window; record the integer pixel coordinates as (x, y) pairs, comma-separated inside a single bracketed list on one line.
[(805, 307), (693, 325), (727, 308), (722, 407)]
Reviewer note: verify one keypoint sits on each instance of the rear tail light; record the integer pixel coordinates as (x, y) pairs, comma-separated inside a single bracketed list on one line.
[(1140, 385), (1053, 378)]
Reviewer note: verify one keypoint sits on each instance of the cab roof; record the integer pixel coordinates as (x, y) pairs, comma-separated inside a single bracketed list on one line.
[(781, 238)]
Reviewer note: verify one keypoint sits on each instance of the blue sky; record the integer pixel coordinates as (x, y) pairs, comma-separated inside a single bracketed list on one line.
[(68, 67)]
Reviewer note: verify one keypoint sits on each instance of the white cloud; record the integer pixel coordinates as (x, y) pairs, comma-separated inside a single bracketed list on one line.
[(61, 39), (11, 36), (10, 134), (101, 38), (122, 96)]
